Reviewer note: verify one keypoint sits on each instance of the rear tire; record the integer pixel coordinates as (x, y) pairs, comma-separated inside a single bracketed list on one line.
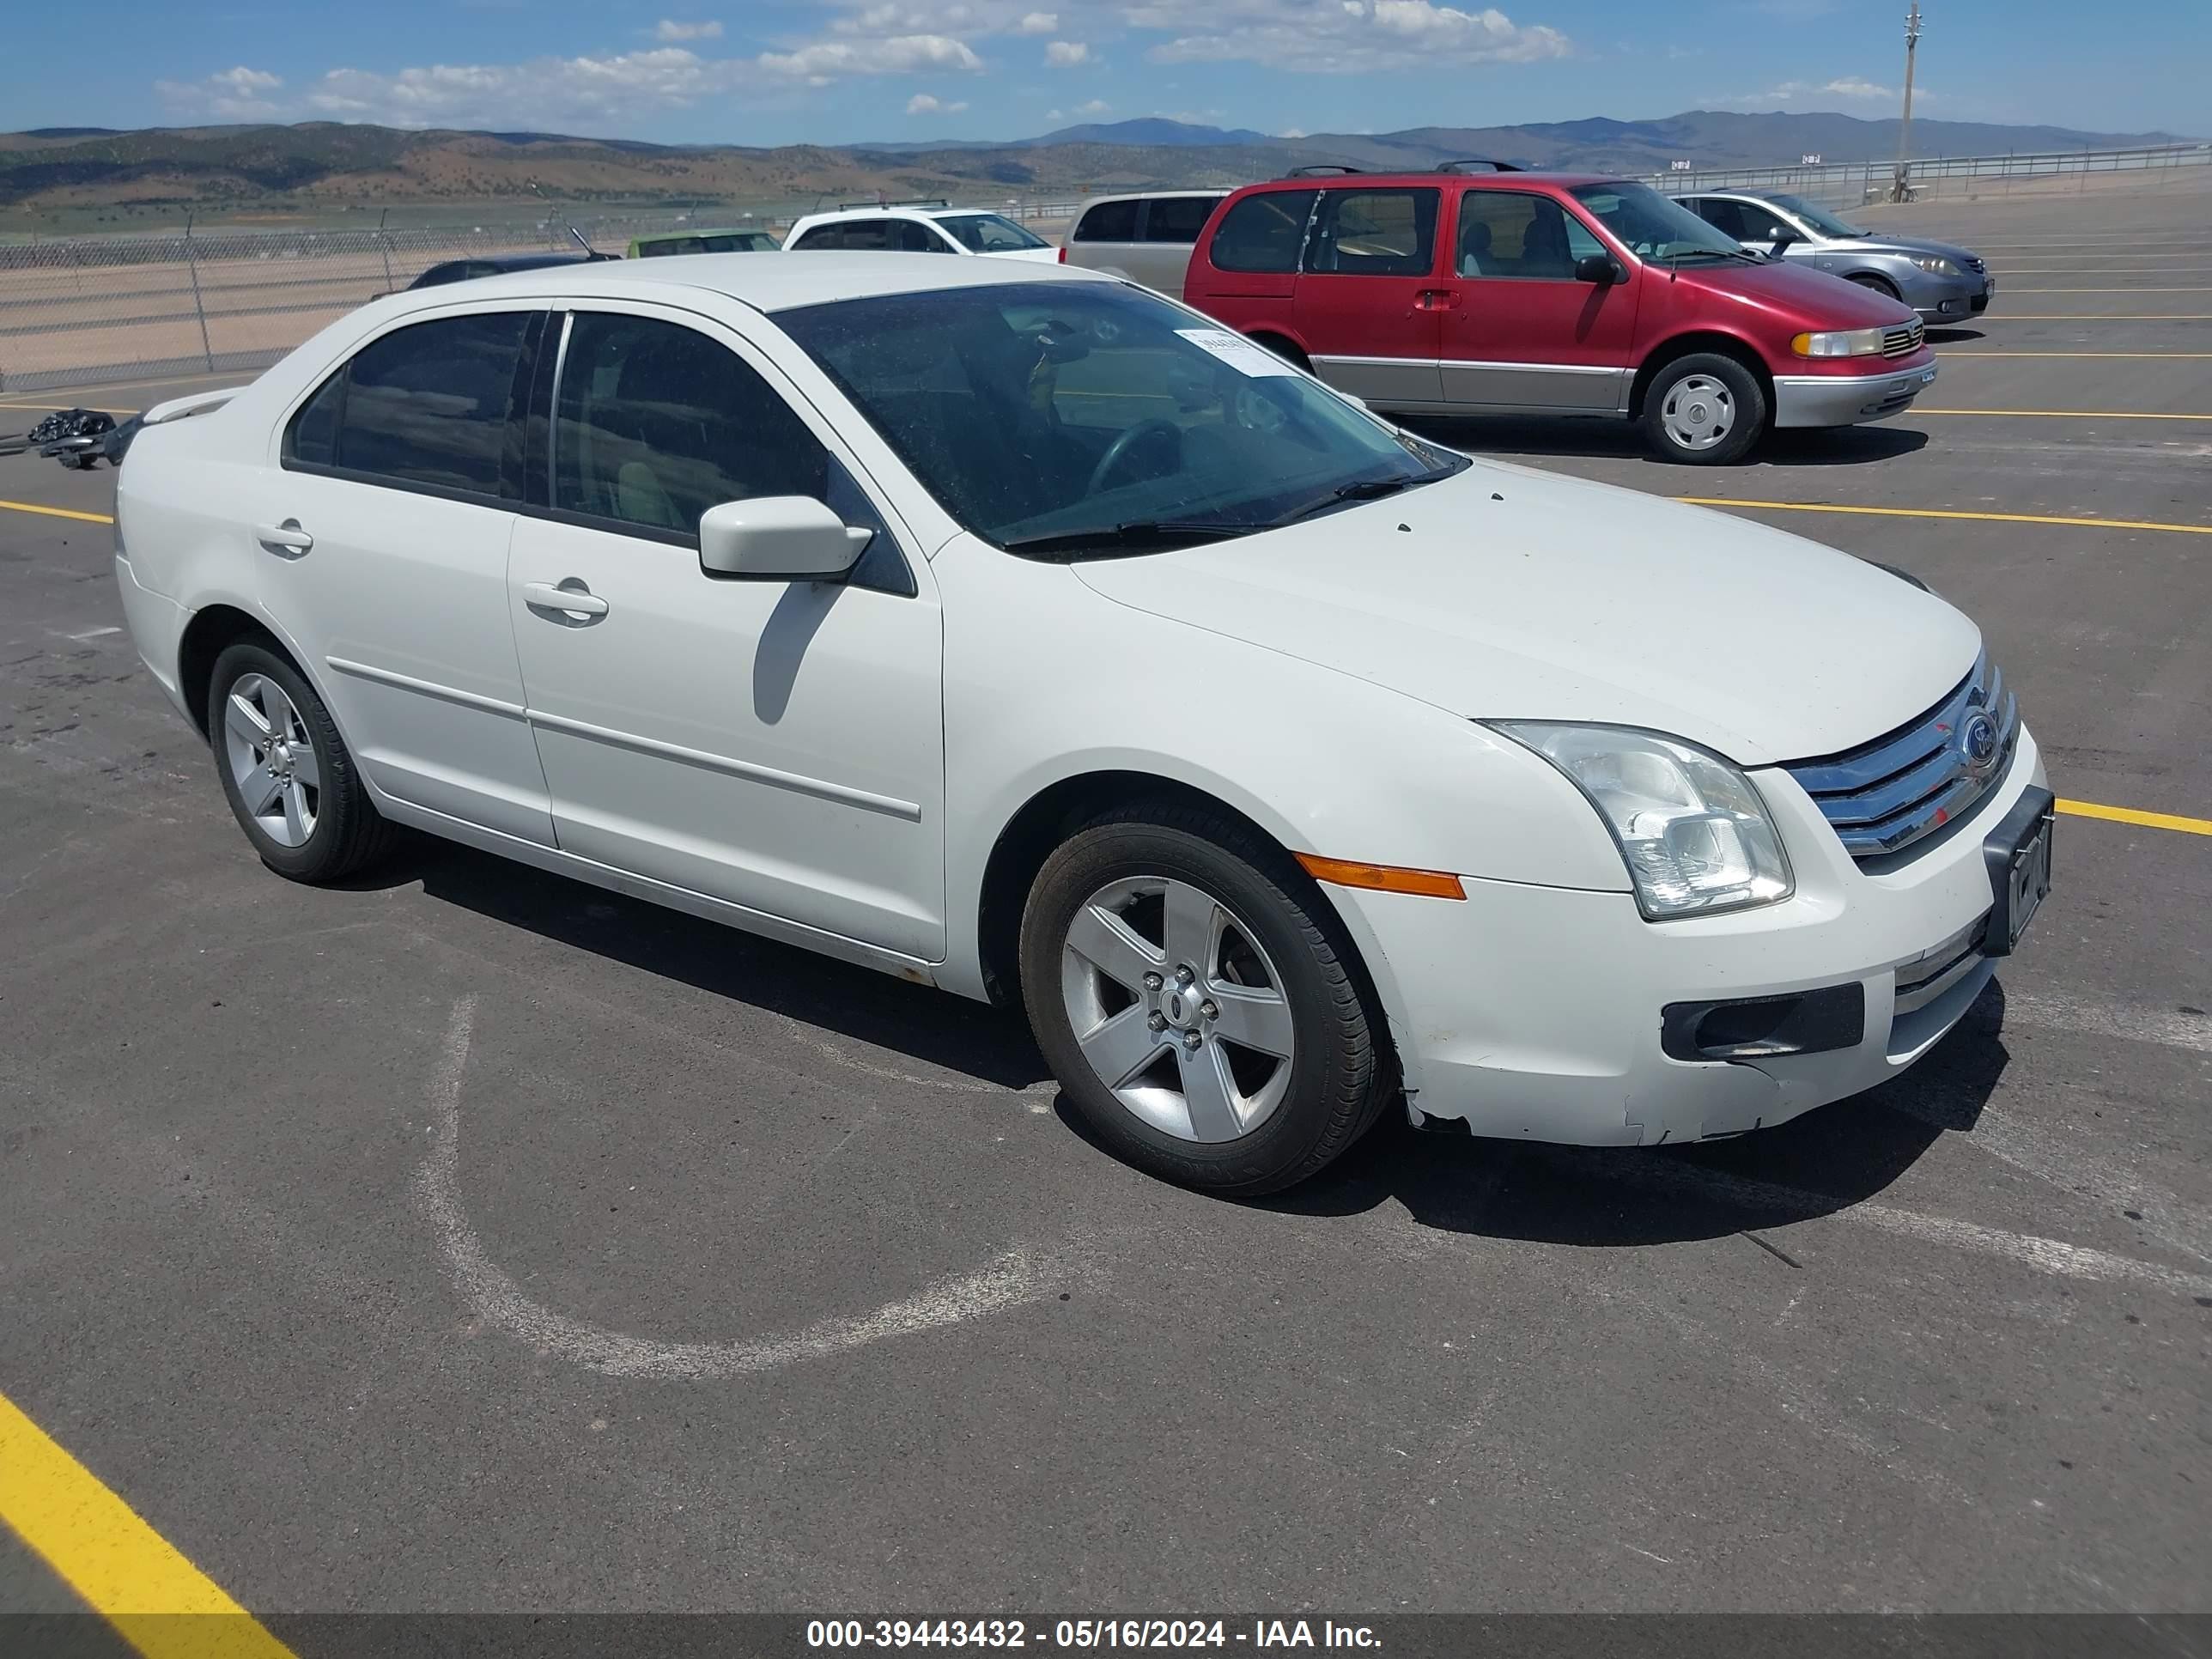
[(1704, 409), (1283, 348), (1248, 1072), (288, 774)]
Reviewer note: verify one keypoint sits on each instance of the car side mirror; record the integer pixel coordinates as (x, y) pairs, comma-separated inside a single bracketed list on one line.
[(779, 538), (1781, 240), (1598, 268)]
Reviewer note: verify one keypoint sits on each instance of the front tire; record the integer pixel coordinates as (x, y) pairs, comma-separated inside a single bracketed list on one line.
[(1705, 410), (1880, 284), (1201, 1008), (290, 780)]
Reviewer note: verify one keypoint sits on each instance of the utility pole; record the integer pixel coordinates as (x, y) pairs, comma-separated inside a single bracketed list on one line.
[(1900, 190)]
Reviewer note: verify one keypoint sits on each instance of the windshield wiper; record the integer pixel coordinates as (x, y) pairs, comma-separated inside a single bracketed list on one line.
[(1137, 535), (1359, 489)]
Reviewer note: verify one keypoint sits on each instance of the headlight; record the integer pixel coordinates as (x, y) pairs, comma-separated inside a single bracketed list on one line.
[(1846, 343), (1691, 827), (1935, 263)]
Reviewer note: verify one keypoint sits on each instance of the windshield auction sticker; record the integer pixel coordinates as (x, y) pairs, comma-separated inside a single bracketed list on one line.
[(1239, 353)]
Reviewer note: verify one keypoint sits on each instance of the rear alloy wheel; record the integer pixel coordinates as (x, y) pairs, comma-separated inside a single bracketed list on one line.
[(288, 777), (1706, 410), (1198, 1004)]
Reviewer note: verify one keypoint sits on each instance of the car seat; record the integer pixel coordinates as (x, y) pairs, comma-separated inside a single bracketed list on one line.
[(1475, 248)]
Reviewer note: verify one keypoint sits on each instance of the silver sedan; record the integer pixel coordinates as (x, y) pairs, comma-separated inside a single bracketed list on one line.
[(1944, 284)]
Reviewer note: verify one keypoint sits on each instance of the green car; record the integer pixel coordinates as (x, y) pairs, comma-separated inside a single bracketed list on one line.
[(702, 242)]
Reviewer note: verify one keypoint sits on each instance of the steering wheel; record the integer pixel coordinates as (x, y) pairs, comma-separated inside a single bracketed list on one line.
[(1118, 451)]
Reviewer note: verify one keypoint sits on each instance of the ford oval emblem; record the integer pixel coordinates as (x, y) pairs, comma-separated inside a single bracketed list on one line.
[(1977, 740)]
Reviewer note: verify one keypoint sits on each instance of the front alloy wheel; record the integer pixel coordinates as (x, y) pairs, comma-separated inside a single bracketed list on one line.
[(1199, 1001), (1176, 1009)]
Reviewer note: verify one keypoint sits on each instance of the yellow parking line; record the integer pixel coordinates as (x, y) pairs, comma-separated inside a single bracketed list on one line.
[(1967, 356), (1946, 513), (2199, 289), (2070, 414), (2090, 809), (121, 1567), (2090, 316), (57, 512), (64, 403)]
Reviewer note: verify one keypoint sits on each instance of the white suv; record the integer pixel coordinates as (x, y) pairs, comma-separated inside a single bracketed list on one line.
[(918, 230)]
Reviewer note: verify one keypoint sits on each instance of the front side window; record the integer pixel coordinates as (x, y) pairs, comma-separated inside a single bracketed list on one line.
[(1080, 419), (1519, 235), (1177, 218), (1109, 222), (987, 233), (1759, 225), (654, 424), (910, 236), (1375, 233), (1652, 227), (427, 404), (1263, 232)]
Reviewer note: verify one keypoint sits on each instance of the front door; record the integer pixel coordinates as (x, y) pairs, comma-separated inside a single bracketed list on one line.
[(775, 745), (1369, 303), (382, 542), (1520, 332)]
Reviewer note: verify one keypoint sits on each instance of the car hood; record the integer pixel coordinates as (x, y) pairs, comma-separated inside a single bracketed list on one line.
[(1506, 593), (1879, 243), (1782, 289)]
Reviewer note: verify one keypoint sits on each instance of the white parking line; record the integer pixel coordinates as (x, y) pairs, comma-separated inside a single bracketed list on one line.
[(1013, 1280), (2104, 1020)]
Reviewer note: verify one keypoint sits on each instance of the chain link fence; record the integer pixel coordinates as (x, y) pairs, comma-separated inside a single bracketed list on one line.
[(1947, 178), (89, 309)]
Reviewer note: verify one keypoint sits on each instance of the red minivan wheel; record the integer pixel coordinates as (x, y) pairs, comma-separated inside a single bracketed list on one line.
[(1705, 408)]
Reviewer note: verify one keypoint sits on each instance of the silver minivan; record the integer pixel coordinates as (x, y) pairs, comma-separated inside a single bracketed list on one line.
[(1146, 237)]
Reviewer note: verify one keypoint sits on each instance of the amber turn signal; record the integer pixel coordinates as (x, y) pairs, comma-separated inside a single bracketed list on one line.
[(1383, 877)]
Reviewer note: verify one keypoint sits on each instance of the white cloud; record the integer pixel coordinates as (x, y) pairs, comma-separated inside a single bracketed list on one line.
[(903, 54), (922, 104), (235, 94), (1291, 132), (1096, 106), (1346, 37), (1800, 95), (1037, 22), (1066, 54), (671, 32)]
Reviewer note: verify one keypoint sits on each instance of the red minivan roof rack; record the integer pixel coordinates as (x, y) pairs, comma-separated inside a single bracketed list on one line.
[(1465, 161)]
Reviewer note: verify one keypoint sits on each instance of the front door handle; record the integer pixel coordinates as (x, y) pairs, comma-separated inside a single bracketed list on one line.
[(1435, 299), (568, 600), (287, 538)]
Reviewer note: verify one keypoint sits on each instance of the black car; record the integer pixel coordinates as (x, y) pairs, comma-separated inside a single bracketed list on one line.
[(461, 270)]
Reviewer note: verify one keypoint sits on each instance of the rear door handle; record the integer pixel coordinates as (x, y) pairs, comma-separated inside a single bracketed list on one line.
[(569, 596), (286, 538)]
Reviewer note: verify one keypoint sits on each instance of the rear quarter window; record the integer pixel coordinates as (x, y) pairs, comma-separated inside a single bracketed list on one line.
[(1177, 218), (1263, 231)]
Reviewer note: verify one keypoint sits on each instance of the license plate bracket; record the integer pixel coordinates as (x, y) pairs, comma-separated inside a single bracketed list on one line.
[(2017, 854)]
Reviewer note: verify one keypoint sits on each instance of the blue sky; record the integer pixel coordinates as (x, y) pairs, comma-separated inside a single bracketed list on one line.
[(714, 70)]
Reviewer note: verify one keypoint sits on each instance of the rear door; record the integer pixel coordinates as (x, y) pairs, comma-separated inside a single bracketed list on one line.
[(1368, 304), (382, 546), (1247, 274), (1521, 332)]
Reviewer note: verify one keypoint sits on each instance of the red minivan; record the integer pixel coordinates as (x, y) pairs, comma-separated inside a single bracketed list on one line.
[(1518, 292)]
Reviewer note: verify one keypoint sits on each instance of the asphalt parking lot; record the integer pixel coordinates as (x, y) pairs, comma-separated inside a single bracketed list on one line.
[(468, 1239)]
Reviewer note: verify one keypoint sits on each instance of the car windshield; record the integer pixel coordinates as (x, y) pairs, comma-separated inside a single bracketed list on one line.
[(986, 233), (1077, 419), (1819, 218), (1653, 227)]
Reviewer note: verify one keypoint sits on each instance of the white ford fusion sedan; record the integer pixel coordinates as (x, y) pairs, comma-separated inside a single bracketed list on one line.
[(1017, 631)]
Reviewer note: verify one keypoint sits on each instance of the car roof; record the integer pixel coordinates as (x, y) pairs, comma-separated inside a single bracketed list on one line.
[(765, 285), (1519, 178), (1155, 195)]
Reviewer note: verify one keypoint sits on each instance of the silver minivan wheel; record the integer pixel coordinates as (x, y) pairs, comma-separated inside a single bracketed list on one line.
[(1177, 1008), (1698, 413)]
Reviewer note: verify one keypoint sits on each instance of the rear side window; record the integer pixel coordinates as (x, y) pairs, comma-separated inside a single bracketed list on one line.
[(1375, 233), (1110, 221), (1718, 212), (1263, 231), (908, 237), (431, 404), (1177, 218)]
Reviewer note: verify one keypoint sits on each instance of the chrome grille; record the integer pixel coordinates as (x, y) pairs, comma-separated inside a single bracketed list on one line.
[(1883, 796), (1903, 340)]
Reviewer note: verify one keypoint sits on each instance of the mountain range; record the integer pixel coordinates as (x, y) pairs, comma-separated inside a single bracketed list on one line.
[(280, 169)]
